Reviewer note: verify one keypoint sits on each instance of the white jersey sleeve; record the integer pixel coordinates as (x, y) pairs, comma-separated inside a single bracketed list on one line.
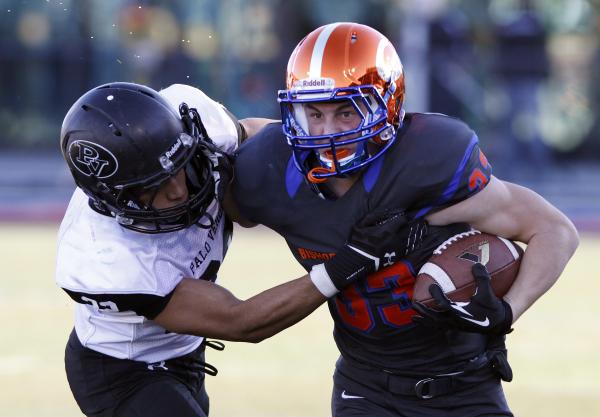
[(218, 123)]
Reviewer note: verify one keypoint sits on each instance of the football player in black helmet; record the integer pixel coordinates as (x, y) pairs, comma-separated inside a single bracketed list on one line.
[(121, 141), (143, 238)]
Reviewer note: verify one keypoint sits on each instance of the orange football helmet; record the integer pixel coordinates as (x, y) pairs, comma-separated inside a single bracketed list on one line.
[(349, 63)]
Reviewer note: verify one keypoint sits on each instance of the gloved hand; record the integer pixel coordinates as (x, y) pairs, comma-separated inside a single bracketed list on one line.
[(484, 313), (379, 239)]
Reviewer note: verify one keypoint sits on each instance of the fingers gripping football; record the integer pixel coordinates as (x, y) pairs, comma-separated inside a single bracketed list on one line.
[(483, 313)]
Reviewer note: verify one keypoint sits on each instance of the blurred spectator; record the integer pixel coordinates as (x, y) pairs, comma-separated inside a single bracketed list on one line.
[(453, 88), (51, 51), (521, 65)]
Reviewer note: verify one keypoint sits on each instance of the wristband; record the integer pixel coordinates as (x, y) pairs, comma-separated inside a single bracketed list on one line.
[(347, 266), (320, 278)]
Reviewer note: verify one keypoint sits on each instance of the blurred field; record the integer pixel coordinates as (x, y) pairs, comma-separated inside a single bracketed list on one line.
[(554, 348)]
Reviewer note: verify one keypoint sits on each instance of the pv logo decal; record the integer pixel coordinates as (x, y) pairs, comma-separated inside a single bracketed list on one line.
[(92, 159), (480, 254)]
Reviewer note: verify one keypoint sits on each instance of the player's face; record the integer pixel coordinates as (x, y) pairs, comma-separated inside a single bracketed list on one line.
[(329, 118), (172, 192)]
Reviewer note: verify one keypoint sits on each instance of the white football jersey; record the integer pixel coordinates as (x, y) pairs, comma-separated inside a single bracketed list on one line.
[(120, 277)]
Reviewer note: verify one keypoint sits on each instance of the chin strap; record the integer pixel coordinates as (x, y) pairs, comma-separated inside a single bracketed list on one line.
[(319, 170)]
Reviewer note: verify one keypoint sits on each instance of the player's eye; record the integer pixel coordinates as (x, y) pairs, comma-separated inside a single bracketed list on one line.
[(144, 195)]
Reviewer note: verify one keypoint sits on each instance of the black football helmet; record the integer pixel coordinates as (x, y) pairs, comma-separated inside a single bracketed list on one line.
[(123, 139)]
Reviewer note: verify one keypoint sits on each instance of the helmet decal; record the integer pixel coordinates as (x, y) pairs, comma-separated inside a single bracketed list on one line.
[(92, 159), (181, 146), (312, 83)]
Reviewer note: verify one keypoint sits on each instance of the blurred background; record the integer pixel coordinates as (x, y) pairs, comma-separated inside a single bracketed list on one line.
[(523, 74)]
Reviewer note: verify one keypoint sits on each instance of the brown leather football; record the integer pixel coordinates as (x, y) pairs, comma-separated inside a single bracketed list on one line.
[(450, 266)]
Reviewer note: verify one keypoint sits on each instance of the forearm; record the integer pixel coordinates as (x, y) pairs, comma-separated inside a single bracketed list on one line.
[(253, 124), (545, 258), (206, 309), (276, 309), (551, 240)]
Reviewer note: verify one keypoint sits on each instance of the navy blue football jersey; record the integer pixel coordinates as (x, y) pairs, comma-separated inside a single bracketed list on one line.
[(435, 163)]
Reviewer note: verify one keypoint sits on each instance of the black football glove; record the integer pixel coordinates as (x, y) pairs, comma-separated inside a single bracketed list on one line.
[(376, 241), (221, 162), (484, 313)]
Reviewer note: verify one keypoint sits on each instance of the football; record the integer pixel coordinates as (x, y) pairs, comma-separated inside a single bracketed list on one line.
[(450, 266)]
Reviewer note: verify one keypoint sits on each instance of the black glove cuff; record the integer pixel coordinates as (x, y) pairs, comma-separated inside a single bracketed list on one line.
[(505, 326), (347, 266)]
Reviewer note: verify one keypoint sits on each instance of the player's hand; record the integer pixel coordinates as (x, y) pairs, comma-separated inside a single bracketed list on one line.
[(386, 234), (379, 239), (484, 313)]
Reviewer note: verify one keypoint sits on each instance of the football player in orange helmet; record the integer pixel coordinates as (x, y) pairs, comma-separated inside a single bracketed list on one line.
[(350, 149), (365, 82)]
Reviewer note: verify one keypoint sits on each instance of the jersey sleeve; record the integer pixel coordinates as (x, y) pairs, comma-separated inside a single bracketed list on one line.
[(457, 169), (116, 280), (253, 176), (147, 305), (220, 124)]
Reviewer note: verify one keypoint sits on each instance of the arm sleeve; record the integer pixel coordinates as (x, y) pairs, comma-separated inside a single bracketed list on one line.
[(254, 178), (114, 273), (147, 305)]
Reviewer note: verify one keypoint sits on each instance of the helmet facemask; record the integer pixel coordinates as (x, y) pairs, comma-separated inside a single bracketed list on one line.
[(140, 215), (334, 152)]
